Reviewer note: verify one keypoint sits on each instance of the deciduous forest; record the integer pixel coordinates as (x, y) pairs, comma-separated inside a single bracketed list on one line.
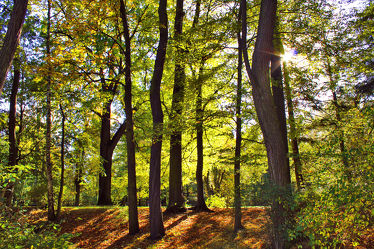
[(186, 124)]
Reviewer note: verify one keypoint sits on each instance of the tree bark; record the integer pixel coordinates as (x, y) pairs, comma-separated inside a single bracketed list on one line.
[(107, 144), (176, 198), (278, 93), (197, 14), (105, 178), (11, 39), (156, 223), (62, 158), (293, 134), (201, 205), (268, 116), (51, 209), (13, 145), (77, 183), (131, 164), (237, 201), (78, 179)]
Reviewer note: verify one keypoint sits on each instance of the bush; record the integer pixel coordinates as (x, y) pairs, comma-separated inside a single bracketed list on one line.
[(15, 232), (216, 201), (340, 215)]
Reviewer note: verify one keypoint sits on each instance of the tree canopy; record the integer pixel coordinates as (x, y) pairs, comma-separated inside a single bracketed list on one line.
[(192, 104)]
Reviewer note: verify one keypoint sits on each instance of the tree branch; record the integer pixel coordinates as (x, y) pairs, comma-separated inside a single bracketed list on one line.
[(117, 136)]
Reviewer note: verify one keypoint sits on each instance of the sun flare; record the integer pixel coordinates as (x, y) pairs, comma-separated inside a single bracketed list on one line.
[(289, 55)]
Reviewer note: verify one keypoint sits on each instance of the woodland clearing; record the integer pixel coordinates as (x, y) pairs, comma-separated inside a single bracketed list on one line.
[(102, 227)]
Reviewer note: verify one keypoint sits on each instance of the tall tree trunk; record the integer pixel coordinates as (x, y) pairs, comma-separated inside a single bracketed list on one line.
[(13, 145), (131, 164), (51, 209), (278, 93), (176, 198), (156, 223), (78, 179), (107, 144), (293, 135), (237, 202), (105, 178), (11, 39), (77, 183), (197, 13), (201, 205), (62, 157), (268, 116)]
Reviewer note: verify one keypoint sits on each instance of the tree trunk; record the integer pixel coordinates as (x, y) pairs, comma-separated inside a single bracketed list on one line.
[(176, 198), (197, 14), (77, 183), (105, 178), (131, 164), (237, 202), (78, 179), (278, 93), (107, 144), (62, 152), (11, 39), (201, 205), (13, 146), (268, 116), (155, 216), (293, 135), (51, 209)]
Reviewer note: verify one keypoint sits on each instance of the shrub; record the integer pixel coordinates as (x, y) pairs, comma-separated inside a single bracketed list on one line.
[(340, 215), (15, 233), (216, 201)]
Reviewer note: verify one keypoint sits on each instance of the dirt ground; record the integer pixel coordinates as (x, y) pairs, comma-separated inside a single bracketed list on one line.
[(108, 228)]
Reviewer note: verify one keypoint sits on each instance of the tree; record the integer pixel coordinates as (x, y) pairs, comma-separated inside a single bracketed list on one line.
[(107, 143), (49, 174), (277, 87), (131, 166), (267, 113), (11, 39), (93, 60), (62, 158), (155, 216), (237, 202), (364, 66), (13, 145), (78, 179), (176, 199), (200, 205), (293, 135), (333, 87)]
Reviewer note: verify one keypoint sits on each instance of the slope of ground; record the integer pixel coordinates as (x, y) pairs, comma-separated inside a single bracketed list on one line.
[(108, 228)]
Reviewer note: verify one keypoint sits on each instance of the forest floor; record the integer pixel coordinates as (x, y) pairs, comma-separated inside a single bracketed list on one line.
[(99, 227)]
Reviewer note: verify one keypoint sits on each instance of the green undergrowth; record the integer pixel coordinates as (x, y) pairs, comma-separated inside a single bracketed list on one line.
[(16, 232)]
